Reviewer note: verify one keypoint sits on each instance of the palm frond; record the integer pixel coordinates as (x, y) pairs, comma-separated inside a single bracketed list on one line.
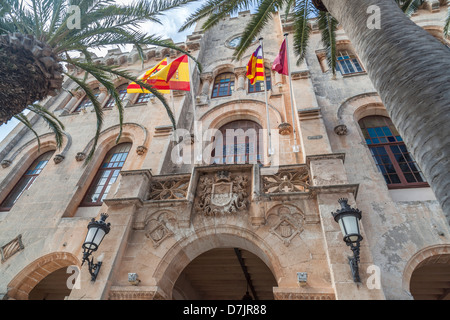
[(97, 109), (23, 119), (52, 121), (257, 22), (447, 24), (328, 26), (302, 29)]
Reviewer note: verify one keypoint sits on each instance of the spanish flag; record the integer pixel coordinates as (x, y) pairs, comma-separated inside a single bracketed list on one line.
[(135, 88), (175, 76), (255, 67)]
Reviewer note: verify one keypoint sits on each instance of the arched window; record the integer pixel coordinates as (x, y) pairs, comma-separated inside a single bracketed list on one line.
[(86, 102), (122, 91), (391, 156), (106, 175), (26, 181), (238, 142), (223, 85), (348, 63), (259, 86)]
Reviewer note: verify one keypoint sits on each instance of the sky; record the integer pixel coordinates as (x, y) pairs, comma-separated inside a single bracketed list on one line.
[(171, 23)]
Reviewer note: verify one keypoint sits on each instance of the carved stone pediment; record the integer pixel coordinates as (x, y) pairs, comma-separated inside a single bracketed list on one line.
[(222, 193)]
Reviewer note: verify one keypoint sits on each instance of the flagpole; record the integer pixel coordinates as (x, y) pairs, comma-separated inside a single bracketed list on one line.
[(295, 148), (270, 151), (199, 156), (175, 116)]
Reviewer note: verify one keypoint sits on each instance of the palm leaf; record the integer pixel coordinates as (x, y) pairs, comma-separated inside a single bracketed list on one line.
[(328, 26), (257, 22), (302, 29)]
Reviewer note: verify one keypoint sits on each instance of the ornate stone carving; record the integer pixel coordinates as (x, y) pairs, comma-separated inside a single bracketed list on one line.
[(157, 232), (58, 158), (80, 156), (171, 189), (288, 226), (341, 130), (222, 194), (287, 180), (285, 128), (11, 248), (140, 150), (5, 163)]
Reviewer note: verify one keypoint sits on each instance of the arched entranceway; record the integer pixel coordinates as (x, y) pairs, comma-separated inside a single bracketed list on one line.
[(430, 280), (45, 278), (52, 287), (225, 274)]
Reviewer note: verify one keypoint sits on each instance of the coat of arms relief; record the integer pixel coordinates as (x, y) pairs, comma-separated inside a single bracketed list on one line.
[(222, 193)]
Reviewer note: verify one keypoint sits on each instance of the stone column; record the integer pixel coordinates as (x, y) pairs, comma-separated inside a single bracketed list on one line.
[(206, 79), (77, 95), (240, 74), (103, 95)]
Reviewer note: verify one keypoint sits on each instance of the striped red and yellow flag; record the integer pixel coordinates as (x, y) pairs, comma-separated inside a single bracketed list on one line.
[(175, 76), (135, 88), (255, 67)]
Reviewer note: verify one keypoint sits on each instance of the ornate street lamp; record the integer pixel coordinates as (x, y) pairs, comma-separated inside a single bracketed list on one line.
[(348, 219), (96, 232)]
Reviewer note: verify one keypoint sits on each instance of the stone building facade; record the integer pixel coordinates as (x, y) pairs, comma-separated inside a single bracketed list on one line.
[(195, 229)]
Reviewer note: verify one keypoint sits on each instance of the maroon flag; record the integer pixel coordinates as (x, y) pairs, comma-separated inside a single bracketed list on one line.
[(280, 64)]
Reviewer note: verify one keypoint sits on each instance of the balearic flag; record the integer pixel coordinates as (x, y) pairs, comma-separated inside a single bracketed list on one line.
[(135, 88), (280, 64), (175, 76), (255, 67)]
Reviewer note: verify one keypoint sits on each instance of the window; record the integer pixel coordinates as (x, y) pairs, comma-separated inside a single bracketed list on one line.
[(238, 143), (223, 85), (122, 91), (259, 86), (144, 97), (106, 175), (348, 63), (391, 156), (26, 181), (86, 102)]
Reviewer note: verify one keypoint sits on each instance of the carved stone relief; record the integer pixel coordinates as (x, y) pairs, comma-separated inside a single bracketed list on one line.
[(287, 180), (287, 224), (171, 189), (222, 193), (156, 228), (11, 248)]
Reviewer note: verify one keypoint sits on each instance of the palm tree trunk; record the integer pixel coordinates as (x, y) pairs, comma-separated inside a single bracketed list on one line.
[(411, 71)]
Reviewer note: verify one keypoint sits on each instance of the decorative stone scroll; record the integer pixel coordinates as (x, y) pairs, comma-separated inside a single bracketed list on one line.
[(222, 193), (171, 189), (287, 180), (11, 248)]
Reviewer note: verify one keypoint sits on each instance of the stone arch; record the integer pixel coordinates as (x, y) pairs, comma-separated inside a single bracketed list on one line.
[(357, 107), (22, 284), (27, 154), (418, 259), (220, 68), (205, 239), (47, 142), (131, 132), (226, 112)]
